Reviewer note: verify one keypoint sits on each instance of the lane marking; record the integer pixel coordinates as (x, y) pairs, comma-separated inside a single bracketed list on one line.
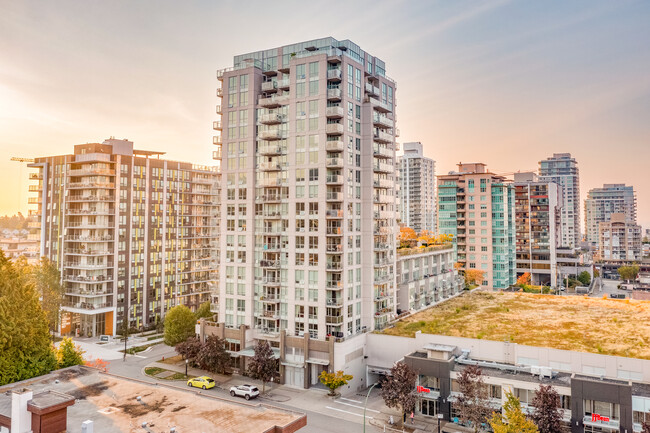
[(349, 399), (354, 405), (351, 413)]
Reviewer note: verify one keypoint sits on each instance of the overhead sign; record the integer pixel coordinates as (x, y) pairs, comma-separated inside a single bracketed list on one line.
[(423, 389)]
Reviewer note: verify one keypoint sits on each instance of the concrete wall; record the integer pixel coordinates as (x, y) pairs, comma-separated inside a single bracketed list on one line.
[(384, 350)]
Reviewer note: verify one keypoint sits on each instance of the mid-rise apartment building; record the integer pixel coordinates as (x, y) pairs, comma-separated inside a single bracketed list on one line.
[(537, 227), (563, 170), (619, 239), (132, 234), (417, 189), (476, 207), (426, 276), (601, 203), (308, 197)]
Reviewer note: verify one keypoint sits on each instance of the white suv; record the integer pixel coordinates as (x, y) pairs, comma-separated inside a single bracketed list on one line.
[(246, 391)]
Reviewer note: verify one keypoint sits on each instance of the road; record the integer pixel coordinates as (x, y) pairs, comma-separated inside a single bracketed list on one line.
[(323, 414), (609, 287)]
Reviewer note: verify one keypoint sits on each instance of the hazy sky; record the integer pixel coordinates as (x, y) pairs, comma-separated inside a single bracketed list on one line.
[(502, 82)]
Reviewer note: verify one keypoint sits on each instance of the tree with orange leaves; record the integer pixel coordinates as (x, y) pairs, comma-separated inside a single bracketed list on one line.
[(524, 280), (474, 276), (407, 237)]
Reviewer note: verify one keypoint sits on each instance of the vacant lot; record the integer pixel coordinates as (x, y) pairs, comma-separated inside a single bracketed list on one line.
[(610, 327)]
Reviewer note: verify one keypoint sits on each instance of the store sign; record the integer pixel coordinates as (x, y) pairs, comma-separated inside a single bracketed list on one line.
[(595, 417), (423, 389)]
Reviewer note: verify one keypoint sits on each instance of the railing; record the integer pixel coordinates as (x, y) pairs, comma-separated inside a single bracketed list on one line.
[(422, 250), (334, 128), (334, 94), (334, 146), (334, 111), (86, 305), (334, 74), (334, 162), (334, 179)]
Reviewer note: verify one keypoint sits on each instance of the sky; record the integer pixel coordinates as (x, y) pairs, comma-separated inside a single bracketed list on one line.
[(507, 83)]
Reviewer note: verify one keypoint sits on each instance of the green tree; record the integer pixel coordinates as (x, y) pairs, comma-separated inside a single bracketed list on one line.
[(25, 348), (69, 354), (179, 325), (213, 355), (204, 311), (513, 419), (628, 272), (263, 365), (47, 280), (334, 380), (585, 278)]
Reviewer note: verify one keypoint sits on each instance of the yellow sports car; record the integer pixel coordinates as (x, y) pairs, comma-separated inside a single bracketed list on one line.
[(204, 382)]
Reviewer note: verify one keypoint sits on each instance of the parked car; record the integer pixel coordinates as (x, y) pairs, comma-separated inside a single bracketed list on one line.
[(246, 391), (204, 382)]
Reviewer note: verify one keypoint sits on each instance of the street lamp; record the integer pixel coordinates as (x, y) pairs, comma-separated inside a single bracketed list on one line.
[(186, 362), (365, 405), (439, 416)]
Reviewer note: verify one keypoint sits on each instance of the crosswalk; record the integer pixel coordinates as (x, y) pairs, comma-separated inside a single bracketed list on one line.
[(351, 407)]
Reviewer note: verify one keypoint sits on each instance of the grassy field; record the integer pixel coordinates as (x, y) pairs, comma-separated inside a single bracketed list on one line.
[(605, 326)]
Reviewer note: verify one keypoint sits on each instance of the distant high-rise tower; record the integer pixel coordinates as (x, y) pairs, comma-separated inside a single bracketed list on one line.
[(562, 169), (132, 234), (417, 193), (309, 204), (477, 207), (601, 203)]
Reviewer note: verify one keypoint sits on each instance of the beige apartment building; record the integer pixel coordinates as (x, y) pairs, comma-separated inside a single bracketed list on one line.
[(132, 234), (308, 200), (476, 207), (417, 189), (619, 239)]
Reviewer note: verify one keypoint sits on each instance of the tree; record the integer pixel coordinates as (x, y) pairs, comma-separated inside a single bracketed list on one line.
[(334, 380), (474, 276), (204, 311), (263, 365), (398, 390), (213, 355), (189, 349), (585, 278), (407, 237), (524, 279), (513, 419), (547, 414), (179, 325), (25, 347), (645, 427), (473, 402), (47, 281), (628, 272), (69, 354)]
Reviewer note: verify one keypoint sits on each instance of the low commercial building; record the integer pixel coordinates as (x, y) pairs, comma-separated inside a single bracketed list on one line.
[(599, 393), (425, 276)]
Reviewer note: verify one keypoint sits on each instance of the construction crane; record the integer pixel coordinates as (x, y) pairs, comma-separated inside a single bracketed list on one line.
[(19, 159)]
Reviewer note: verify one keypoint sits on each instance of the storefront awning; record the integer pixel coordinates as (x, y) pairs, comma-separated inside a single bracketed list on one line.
[(318, 361), (251, 352), (378, 370)]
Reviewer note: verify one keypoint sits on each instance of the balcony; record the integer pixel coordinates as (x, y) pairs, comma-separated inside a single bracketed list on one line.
[(273, 101), (271, 119), (218, 110), (383, 137), (334, 94), (270, 86), (382, 152), (35, 176), (269, 166), (271, 134), (334, 112), (216, 125), (379, 106), (214, 307), (271, 198), (384, 183), (334, 285), (383, 198), (384, 214), (334, 163), (89, 198), (334, 266), (334, 231), (87, 307), (334, 179), (270, 264), (334, 249), (284, 83), (216, 139), (334, 196), (220, 92), (382, 121), (334, 128), (333, 320), (334, 146), (91, 172), (334, 75), (334, 302), (272, 298), (382, 167), (382, 246), (271, 150), (270, 183)]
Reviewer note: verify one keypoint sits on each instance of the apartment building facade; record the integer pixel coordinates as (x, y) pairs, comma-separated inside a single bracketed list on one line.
[(417, 189), (601, 203), (537, 228), (132, 234), (619, 240), (426, 276), (563, 170), (476, 207), (308, 200)]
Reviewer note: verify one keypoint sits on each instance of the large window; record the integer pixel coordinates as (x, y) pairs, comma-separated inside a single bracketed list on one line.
[(610, 410), (430, 382)]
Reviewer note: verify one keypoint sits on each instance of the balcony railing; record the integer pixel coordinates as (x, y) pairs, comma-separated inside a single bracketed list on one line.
[(334, 75), (334, 112)]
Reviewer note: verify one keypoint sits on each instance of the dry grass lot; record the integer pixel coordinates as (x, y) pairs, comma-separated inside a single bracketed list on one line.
[(605, 326)]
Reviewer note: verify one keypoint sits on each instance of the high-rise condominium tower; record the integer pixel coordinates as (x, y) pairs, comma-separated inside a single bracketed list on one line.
[(477, 208), (417, 193), (133, 235), (308, 199), (601, 203), (562, 169)]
